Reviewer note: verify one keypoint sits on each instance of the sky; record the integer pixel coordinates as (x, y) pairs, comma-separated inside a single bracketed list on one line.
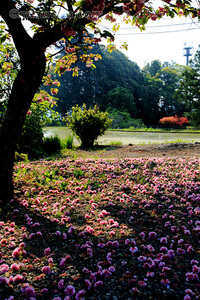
[(163, 39)]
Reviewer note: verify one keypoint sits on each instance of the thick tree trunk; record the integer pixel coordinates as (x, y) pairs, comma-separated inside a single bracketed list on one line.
[(24, 88)]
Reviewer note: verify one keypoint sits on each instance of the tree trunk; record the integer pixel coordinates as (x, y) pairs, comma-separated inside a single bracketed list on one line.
[(24, 88)]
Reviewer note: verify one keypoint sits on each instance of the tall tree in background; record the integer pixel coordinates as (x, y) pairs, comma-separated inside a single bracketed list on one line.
[(113, 70), (169, 78), (188, 91), (148, 104), (48, 28)]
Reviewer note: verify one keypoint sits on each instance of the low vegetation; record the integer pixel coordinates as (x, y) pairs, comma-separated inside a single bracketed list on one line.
[(88, 124)]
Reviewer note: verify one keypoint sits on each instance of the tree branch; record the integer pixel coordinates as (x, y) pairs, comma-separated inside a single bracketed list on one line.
[(20, 36)]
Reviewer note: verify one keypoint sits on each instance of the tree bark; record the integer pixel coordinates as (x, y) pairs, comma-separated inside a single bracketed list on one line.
[(24, 88), (27, 82)]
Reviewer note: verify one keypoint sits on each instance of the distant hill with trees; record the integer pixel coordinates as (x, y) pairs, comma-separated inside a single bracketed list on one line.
[(119, 86)]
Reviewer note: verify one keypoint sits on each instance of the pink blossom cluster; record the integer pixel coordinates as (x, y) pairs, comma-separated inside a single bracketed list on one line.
[(133, 8)]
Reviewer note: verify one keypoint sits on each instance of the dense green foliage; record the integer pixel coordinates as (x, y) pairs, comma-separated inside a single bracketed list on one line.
[(117, 83), (88, 124), (122, 119), (31, 140)]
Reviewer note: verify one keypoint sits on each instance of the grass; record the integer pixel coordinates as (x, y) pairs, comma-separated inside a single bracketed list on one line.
[(178, 141), (68, 142), (102, 228), (162, 130), (115, 143)]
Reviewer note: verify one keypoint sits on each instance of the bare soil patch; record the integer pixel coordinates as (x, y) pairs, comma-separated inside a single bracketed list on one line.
[(155, 150)]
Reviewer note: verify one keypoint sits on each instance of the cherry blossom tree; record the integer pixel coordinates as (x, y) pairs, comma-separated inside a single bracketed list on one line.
[(66, 23)]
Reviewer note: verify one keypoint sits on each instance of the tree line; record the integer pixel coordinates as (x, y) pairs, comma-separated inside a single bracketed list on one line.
[(117, 85)]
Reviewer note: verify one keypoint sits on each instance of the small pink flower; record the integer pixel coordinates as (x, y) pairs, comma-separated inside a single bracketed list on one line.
[(30, 292), (98, 283), (61, 284), (4, 268), (133, 249), (45, 290), (142, 258), (115, 244), (171, 253), (3, 280), (150, 248), (189, 291), (163, 240), (142, 235), (46, 270), (15, 267), (50, 260), (47, 251), (189, 276), (180, 251), (152, 235), (18, 278), (109, 258), (70, 290), (195, 269), (150, 274), (38, 233), (111, 269), (80, 294), (112, 232), (88, 284), (31, 236), (16, 252), (127, 242), (165, 282), (101, 245), (62, 263), (142, 283)]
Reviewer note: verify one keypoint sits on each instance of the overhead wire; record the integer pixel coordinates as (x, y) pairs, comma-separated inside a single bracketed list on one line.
[(157, 32)]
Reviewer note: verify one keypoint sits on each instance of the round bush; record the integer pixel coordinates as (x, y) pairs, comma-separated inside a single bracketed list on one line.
[(88, 124)]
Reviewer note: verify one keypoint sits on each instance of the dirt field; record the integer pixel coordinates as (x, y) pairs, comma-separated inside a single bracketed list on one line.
[(157, 150)]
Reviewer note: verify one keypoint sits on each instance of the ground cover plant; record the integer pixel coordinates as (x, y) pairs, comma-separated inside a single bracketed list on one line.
[(102, 229)]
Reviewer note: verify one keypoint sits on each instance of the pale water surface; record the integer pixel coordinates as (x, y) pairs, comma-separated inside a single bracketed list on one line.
[(129, 137)]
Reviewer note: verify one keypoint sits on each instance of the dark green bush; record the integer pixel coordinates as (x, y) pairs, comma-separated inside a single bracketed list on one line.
[(31, 139), (88, 124), (122, 119), (51, 145)]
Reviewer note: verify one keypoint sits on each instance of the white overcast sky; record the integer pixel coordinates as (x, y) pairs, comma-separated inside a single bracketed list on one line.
[(163, 39)]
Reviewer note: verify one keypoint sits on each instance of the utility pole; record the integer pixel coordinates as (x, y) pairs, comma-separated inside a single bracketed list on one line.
[(187, 51)]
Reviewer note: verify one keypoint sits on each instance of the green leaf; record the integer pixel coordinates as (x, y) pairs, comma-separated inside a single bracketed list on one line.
[(3, 38)]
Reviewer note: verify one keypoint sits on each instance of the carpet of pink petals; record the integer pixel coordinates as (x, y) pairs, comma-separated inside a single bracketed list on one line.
[(102, 229)]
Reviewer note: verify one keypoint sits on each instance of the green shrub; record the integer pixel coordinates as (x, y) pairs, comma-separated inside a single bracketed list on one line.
[(51, 145), (31, 139), (20, 157), (122, 119), (68, 142), (88, 124)]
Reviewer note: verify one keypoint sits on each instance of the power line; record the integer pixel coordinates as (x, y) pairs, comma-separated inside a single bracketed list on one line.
[(158, 26), (157, 32)]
